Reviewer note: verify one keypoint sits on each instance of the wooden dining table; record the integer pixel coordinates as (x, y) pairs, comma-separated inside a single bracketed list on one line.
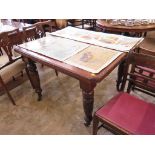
[(87, 80)]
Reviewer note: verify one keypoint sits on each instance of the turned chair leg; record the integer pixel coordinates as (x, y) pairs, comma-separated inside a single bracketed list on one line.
[(56, 72), (95, 125), (7, 91), (129, 87)]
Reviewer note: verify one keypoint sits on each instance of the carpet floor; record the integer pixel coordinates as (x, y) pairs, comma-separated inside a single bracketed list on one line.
[(60, 112)]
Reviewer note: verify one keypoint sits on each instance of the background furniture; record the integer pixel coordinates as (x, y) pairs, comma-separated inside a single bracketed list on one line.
[(30, 33), (89, 24), (15, 24), (47, 25), (137, 30), (14, 65), (61, 23)]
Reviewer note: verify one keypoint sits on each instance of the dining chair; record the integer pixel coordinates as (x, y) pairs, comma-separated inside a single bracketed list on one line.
[(126, 114), (30, 33), (12, 67), (140, 73), (15, 38), (47, 26), (43, 27)]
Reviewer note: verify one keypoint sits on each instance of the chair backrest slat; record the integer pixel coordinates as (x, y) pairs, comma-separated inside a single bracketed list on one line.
[(140, 72), (5, 45), (142, 60)]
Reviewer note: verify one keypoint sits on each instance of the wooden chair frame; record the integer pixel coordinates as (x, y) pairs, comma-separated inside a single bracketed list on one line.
[(7, 40), (30, 33), (134, 69)]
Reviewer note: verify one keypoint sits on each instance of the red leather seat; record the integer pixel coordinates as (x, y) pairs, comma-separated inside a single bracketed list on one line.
[(127, 114)]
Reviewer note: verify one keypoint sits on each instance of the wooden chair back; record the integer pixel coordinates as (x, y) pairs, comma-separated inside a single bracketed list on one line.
[(15, 37), (140, 72), (7, 41), (30, 33), (40, 30), (5, 45), (45, 26)]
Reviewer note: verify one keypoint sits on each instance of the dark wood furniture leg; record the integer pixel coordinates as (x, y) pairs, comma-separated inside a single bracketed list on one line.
[(120, 75), (56, 72), (7, 91), (88, 100), (95, 125), (34, 78)]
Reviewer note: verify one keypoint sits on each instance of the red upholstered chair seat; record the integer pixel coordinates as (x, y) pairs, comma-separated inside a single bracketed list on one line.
[(129, 114)]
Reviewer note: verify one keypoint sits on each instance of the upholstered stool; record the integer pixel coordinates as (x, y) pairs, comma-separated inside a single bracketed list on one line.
[(126, 114)]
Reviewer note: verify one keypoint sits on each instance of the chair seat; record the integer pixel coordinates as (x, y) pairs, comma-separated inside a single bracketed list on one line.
[(3, 60), (12, 69), (130, 114)]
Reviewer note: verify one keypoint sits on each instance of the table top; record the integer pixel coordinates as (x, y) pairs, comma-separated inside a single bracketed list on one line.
[(9, 25), (122, 28), (79, 54), (68, 69), (107, 40)]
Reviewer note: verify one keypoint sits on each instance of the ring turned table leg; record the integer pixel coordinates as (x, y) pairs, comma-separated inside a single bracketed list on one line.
[(88, 101), (34, 78)]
